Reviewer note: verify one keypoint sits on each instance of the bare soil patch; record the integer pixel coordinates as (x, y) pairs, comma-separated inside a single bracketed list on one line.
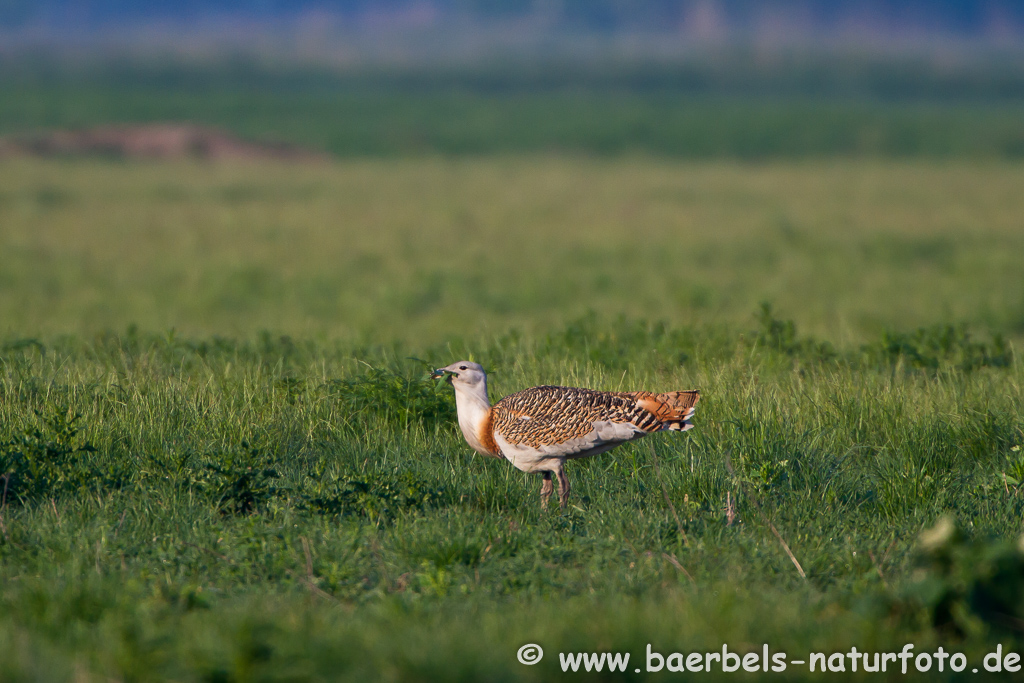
[(164, 141)]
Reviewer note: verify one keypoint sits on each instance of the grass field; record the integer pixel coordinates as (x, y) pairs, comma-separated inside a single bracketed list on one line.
[(430, 249), (224, 461)]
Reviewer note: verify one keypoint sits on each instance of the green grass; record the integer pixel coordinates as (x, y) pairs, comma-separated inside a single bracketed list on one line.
[(224, 463), (272, 509), (429, 250)]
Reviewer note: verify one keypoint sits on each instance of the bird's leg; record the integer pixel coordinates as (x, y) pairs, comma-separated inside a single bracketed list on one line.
[(545, 490), (563, 486)]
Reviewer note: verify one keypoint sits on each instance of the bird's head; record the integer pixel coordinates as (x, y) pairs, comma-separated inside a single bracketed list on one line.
[(464, 373)]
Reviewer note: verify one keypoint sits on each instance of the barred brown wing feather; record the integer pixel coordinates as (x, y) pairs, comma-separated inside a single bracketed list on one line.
[(549, 416), (672, 409)]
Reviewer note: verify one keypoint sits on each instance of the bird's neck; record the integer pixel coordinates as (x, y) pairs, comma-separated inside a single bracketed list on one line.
[(474, 415)]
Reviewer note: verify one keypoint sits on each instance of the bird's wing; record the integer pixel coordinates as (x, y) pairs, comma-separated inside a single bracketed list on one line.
[(564, 421)]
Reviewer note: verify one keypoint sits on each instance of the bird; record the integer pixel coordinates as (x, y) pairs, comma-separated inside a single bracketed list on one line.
[(538, 429)]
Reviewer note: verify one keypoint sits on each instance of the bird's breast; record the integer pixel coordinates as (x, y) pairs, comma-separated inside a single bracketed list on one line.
[(486, 435), (478, 429)]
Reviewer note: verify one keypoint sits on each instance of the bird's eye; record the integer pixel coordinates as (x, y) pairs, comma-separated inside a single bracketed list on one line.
[(462, 367)]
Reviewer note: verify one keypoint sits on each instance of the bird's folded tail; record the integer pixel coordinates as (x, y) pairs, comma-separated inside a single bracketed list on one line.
[(673, 409)]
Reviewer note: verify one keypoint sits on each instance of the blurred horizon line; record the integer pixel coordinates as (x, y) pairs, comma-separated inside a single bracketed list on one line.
[(409, 32)]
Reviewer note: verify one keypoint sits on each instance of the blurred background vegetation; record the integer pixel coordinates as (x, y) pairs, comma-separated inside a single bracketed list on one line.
[(434, 248), (670, 78), (729, 105)]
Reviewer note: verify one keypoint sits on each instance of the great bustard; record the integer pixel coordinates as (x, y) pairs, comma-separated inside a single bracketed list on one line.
[(538, 429)]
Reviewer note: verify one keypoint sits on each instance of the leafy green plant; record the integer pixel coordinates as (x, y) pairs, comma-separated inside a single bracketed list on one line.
[(378, 498), (396, 398), (767, 475), (963, 587), (48, 459), (1013, 475), (239, 480), (780, 336), (942, 346)]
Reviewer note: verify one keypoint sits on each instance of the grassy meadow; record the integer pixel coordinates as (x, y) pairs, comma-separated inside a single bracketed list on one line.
[(223, 460), (426, 250)]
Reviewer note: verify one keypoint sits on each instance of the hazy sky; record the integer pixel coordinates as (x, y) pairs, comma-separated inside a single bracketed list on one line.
[(951, 17)]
